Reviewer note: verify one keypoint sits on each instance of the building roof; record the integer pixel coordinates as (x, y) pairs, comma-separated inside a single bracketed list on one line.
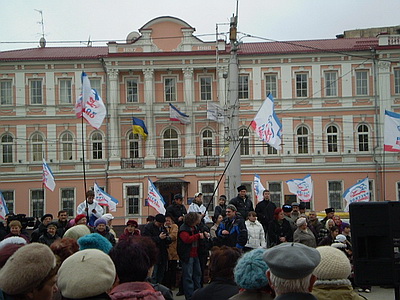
[(292, 47)]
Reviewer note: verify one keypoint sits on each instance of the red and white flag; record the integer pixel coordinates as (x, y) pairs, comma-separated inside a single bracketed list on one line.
[(392, 132), (48, 178), (90, 105), (176, 115)]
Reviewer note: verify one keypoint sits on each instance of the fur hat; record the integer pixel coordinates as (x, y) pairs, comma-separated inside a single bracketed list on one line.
[(160, 218), (334, 264), (12, 240), (250, 270), (95, 241), (7, 251), (77, 232), (26, 268), (292, 260), (86, 273), (100, 221), (107, 217), (241, 188), (329, 210), (54, 224), (287, 208), (132, 222), (46, 216)]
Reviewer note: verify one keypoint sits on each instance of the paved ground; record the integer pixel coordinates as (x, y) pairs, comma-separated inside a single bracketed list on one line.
[(377, 293)]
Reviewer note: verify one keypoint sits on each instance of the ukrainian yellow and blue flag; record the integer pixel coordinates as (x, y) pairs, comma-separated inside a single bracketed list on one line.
[(138, 127)]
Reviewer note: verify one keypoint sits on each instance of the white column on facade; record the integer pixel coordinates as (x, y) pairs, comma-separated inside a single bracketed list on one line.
[(349, 138), (21, 144), (347, 74), (317, 139), (114, 141), (288, 139), (188, 98), (150, 119), (257, 90), (52, 143), (222, 73), (20, 94), (50, 93), (383, 82), (286, 82)]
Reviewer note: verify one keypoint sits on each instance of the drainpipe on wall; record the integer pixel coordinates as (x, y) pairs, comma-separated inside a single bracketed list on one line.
[(377, 126), (107, 125)]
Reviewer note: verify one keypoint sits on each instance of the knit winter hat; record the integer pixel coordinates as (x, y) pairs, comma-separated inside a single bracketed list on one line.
[(26, 268), (95, 241), (250, 271), (77, 232), (86, 273), (100, 221), (334, 264), (79, 217)]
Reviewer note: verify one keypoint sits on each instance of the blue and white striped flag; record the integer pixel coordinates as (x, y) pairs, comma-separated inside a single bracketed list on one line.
[(3, 207), (48, 177), (155, 199), (258, 188), (104, 199)]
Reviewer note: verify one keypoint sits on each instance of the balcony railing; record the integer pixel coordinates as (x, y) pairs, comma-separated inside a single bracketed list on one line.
[(169, 162), (206, 161), (128, 163)]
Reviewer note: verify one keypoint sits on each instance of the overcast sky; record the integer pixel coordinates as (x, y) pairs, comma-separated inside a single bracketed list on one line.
[(106, 20)]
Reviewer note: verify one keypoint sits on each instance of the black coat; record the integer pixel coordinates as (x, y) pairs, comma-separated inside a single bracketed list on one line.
[(218, 289), (243, 206), (265, 212), (48, 239), (175, 211), (276, 230), (237, 232), (152, 231)]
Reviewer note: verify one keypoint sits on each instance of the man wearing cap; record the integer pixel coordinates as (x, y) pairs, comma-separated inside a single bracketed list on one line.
[(158, 233), (38, 232), (177, 210), (287, 211), (290, 270), (330, 212), (198, 207), (295, 212), (242, 203), (232, 230), (265, 210)]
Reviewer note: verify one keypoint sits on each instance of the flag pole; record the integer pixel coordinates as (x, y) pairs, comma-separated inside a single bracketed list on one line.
[(84, 171)]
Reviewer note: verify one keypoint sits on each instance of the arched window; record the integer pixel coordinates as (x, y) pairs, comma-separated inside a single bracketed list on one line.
[(207, 142), (7, 148), (363, 137), (66, 146), (133, 145), (37, 146), (171, 149), (245, 144), (302, 140), (332, 135), (97, 146)]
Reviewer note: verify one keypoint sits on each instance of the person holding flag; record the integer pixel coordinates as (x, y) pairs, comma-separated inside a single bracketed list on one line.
[(104, 199), (90, 208)]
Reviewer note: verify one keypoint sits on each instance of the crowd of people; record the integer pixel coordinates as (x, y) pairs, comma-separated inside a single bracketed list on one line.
[(240, 252)]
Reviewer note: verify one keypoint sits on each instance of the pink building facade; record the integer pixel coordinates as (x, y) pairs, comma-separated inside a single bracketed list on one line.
[(330, 96)]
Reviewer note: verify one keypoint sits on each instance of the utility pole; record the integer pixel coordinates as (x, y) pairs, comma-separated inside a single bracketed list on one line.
[(233, 177)]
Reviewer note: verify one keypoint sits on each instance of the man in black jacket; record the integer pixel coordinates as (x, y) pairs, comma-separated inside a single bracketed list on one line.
[(265, 210), (177, 210), (158, 233), (242, 203)]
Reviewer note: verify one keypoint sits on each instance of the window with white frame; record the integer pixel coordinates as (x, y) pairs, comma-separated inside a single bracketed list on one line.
[(171, 143), (205, 88), (245, 141), (243, 86), (37, 146), (65, 86), (170, 89), (271, 84), (332, 136), (302, 140), (301, 85), (36, 91), (331, 88), (132, 94), (271, 150), (275, 191), (363, 138), (5, 92), (68, 200), (37, 203), (7, 142), (397, 81), (67, 141), (207, 189), (361, 83), (97, 146), (95, 83), (132, 193), (133, 144), (335, 193), (207, 142), (9, 198)]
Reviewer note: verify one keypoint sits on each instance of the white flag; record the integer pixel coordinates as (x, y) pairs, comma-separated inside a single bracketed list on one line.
[(258, 188), (90, 105), (176, 115), (392, 132), (303, 188), (215, 112), (155, 199), (48, 178), (3, 207), (357, 193), (104, 199)]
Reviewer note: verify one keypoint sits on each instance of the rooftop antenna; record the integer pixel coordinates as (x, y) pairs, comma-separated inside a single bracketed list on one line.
[(42, 41), (89, 42)]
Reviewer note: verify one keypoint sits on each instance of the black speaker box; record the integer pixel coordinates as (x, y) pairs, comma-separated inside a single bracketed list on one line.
[(375, 232)]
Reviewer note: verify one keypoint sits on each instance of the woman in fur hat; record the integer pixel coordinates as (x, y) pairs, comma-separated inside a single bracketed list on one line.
[(131, 229)]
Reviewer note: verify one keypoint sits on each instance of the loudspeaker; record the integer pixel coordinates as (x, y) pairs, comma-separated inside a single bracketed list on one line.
[(375, 231)]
